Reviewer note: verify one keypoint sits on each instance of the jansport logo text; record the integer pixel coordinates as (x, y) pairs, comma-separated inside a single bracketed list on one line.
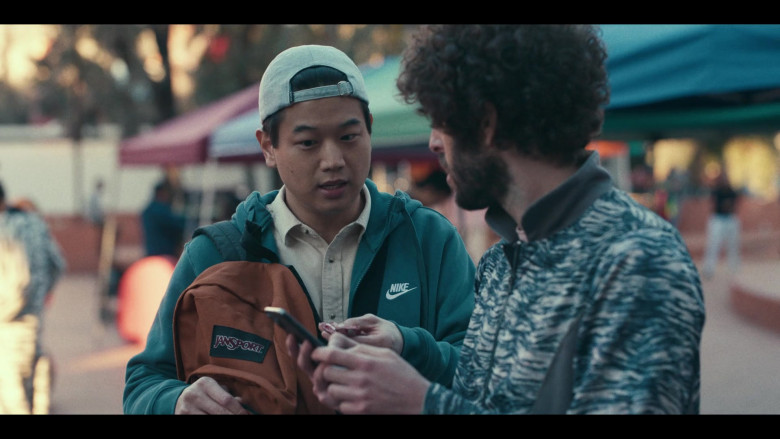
[(234, 343)]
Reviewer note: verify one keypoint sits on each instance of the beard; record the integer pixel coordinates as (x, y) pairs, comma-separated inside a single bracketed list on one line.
[(481, 180)]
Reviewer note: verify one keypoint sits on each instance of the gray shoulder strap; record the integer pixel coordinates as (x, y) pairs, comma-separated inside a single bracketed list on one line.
[(555, 395), (226, 238)]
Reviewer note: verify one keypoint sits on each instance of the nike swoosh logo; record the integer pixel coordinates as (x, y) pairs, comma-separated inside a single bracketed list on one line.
[(400, 293)]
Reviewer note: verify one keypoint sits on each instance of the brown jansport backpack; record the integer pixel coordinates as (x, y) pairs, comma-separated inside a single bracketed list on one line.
[(221, 331)]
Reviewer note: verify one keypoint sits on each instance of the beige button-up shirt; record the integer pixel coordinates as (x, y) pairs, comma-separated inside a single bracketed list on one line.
[(326, 270)]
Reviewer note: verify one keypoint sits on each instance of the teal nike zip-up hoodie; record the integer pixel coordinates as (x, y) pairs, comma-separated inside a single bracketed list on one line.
[(416, 258)]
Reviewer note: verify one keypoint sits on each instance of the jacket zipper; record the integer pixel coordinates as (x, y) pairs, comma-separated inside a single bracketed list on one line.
[(358, 284)]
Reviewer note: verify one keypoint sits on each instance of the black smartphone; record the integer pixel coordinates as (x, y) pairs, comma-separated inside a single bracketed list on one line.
[(290, 324)]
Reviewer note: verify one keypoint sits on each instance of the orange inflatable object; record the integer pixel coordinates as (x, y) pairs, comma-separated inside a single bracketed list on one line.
[(140, 291)]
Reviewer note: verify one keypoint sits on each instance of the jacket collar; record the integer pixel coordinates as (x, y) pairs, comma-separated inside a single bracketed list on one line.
[(559, 208)]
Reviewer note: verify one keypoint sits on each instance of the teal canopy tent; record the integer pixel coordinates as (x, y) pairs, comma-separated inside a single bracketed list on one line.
[(665, 80), (688, 80)]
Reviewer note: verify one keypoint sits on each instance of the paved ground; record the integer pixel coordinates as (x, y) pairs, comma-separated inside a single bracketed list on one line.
[(739, 358), (89, 358)]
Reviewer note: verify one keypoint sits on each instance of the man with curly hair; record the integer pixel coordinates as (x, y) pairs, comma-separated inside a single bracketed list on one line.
[(590, 302)]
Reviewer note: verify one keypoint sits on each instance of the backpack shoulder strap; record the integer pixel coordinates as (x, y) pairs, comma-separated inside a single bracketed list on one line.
[(234, 245), (226, 238)]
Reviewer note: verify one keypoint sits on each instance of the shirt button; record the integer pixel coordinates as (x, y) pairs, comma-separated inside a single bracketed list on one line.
[(333, 316), (330, 260)]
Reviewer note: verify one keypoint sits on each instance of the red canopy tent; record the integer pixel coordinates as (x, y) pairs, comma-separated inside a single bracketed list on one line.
[(184, 140)]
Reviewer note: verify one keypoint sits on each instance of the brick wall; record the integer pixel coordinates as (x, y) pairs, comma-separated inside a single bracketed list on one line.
[(80, 241)]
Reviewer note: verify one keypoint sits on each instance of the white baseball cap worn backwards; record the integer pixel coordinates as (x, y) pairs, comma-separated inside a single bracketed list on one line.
[(276, 93)]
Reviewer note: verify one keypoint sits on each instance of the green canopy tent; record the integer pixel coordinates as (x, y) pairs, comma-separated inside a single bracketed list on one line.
[(398, 132)]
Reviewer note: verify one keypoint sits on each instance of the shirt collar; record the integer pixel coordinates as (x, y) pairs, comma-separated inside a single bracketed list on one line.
[(285, 220)]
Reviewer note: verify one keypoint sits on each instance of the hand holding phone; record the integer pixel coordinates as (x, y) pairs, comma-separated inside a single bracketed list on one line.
[(290, 324)]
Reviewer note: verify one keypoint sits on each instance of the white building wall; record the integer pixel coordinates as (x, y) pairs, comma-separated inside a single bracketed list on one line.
[(38, 163)]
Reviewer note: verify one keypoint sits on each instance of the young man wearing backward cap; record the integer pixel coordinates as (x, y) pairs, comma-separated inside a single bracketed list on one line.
[(330, 222)]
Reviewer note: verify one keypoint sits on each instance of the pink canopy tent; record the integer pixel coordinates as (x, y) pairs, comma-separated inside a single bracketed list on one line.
[(184, 140)]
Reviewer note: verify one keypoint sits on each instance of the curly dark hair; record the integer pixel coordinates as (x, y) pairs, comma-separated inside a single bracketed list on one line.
[(548, 84)]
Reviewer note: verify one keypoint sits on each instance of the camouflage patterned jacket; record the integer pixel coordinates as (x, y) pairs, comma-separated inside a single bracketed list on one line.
[(600, 263)]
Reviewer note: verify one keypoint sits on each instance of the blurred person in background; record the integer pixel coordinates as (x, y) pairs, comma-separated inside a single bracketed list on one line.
[(46, 266), (590, 303), (95, 213), (17, 334), (434, 192), (676, 186), (723, 226), (229, 201), (163, 228), (96, 216)]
